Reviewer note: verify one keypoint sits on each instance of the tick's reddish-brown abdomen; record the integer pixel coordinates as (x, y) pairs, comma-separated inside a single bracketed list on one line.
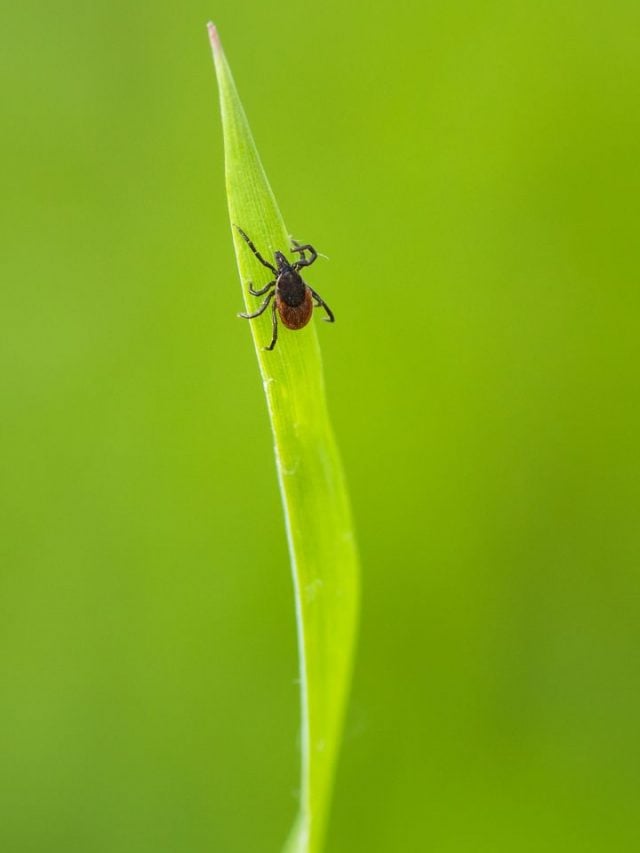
[(295, 317)]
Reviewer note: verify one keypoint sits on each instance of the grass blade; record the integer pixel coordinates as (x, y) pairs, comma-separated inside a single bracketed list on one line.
[(316, 507)]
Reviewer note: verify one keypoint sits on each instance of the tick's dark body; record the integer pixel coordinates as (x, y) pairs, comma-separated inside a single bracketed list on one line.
[(294, 298)]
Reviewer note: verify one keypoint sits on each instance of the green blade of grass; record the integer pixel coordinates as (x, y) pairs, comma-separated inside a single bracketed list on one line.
[(312, 484)]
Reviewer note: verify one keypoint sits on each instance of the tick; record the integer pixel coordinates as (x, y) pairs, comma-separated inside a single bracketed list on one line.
[(294, 299)]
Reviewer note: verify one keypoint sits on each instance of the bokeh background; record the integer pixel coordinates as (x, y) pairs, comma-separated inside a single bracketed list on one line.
[(472, 171)]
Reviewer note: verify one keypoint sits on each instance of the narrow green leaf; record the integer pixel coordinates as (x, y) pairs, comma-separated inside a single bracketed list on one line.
[(312, 484)]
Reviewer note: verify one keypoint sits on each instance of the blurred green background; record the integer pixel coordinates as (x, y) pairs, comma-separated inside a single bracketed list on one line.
[(472, 170)]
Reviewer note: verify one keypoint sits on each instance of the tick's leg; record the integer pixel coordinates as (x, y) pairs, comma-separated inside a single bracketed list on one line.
[(262, 289), (262, 308), (255, 251), (302, 248), (274, 324), (320, 302), (298, 248)]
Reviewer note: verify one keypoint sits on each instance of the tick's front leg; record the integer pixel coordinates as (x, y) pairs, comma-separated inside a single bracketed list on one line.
[(249, 243), (302, 248)]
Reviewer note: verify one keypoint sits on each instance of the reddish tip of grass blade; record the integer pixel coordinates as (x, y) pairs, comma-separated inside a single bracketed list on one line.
[(214, 38)]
